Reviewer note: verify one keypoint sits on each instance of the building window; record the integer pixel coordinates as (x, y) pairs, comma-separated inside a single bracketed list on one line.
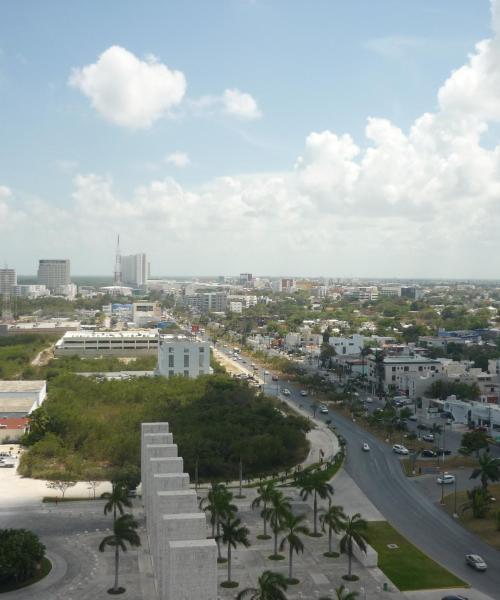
[(420, 368), (394, 377), (171, 360), (170, 350), (407, 368), (202, 350), (186, 361), (393, 370), (186, 350)]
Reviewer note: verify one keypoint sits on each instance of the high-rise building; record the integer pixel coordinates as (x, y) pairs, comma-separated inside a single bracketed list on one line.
[(134, 269), (8, 279), (246, 279), (54, 273)]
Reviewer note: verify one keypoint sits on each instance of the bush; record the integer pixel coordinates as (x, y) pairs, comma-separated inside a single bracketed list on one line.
[(21, 553)]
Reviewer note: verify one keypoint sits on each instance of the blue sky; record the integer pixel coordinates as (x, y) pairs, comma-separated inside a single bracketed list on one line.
[(309, 66)]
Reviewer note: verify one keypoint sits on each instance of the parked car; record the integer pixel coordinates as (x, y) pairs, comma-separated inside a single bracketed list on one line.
[(323, 409), (6, 465), (428, 453), (274, 378), (303, 392), (369, 400), (365, 447), (428, 437), (285, 392), (399, 449), (442, 451), (476, 562), (454, 597), (446, 478)]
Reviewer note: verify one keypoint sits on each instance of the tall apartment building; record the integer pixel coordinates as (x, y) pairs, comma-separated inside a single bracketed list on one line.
[(134, 270), (54, 273), (246, 279), (8, 279), (207, 301)]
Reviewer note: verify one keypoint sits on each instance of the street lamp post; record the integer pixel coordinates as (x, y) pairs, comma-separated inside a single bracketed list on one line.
[(455, 514), (442, 487)]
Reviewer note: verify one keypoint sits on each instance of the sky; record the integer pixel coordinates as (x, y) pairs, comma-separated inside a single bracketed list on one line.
[(278, 137)]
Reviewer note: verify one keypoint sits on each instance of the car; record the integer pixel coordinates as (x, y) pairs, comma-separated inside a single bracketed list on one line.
[(399, 449), (132, 493), (476, 562), (285, 392), (442, 451), (266, 372), (428, 437), (369, 400), (274, 378), (323, 409), (428, 453), (365, 447), (446, 478), (454, 597), (6, 465), (303, 392)]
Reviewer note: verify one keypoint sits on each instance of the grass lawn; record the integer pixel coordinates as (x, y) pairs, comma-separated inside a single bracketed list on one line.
[(406, 566), (485, 528), (45, 568)]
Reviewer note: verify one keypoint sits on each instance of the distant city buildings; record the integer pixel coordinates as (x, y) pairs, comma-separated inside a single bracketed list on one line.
[(108, 343), (55, 275), (246, 279), (206, 301), (134, 270), (30, 291), (146, 312), (8, 280)]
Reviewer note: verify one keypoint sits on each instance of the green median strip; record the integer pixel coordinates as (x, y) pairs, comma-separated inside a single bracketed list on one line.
[(404, 564)]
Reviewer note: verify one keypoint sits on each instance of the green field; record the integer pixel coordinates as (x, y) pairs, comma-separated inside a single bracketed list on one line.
[(406, 566)]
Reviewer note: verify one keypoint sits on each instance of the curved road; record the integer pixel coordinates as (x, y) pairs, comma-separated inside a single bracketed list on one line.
[(380, 476)]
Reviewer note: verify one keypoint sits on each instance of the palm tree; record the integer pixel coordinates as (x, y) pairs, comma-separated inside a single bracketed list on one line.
[(293, 526), (488, 469), (218, 505), (354, 531), (116, 499), (315, 484), (124, 531), (276, 513), (478, 500), (333, 518), (232, 535), (271, 586), (342, 594), (265, 493)]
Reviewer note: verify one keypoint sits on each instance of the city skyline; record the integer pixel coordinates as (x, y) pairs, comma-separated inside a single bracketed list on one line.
[(205, 168)]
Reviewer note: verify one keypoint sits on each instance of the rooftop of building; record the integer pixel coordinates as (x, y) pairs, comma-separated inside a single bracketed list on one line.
[(21, 404), (103, 335), (409, 359), (13, 423), (18, 386)]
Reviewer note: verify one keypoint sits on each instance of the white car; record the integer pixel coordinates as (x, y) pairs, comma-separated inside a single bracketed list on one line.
[(323, 409), (369, 400), (398, 449), (476, 562), (303, 392), (285, 392), (446, 478), (365, 447)]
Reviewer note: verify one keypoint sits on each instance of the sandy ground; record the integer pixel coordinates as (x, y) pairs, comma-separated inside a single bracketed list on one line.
[(16, 490)]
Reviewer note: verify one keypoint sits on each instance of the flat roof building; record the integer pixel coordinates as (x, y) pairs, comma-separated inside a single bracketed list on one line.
[(20, 398), (183, 355), (108, 343), (54, 273)]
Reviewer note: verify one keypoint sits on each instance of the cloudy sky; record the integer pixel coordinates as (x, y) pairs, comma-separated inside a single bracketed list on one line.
[(324, 137)]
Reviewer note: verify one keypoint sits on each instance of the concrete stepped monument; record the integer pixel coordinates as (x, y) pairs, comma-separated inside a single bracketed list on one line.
[(184, 560)]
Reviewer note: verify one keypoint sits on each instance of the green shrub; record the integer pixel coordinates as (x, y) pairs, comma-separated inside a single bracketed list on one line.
[(21, 553)]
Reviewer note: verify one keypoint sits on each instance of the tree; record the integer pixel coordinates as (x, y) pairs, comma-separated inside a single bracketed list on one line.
[(478, 501), (333, 518), (265, 493), (473, 442), (232, 535), (355, 529), (62, 485), (342, 594), (20, 555), (218, 505), (124, 532), (293, 526), (116, 500), (271, 586), (314, 484), (487, 470), (326, 354), (276, 514)]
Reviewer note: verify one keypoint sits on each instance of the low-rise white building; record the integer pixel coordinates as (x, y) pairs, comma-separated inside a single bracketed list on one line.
[(108, 343), (409, 374), (20, 398), (183, 355), (146, 312), (352, 345)]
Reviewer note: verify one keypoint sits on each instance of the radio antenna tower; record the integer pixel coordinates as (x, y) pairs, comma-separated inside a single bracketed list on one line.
[(118, 264)]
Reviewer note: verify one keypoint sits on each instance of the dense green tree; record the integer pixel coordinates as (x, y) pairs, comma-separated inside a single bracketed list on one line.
[(21, 553), (473, 442), (478, 501), (488, 469), (315, 484)]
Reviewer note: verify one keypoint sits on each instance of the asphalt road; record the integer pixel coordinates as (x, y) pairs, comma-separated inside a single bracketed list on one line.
[(379, 475)]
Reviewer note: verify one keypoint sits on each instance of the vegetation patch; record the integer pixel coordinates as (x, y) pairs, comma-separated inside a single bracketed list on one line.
[(22, 558), (488, 527), (90, 430), (407, 566)]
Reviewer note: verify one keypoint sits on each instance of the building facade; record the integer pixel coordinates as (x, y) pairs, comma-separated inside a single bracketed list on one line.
[(8, 280), (134, 270), (183, 355), (107, 343), (146, 312), (53, 273)]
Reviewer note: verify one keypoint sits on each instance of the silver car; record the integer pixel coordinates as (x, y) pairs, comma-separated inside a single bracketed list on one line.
[(476, 562)]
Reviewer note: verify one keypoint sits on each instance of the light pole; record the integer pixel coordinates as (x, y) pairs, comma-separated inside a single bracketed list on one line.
[(455, 514), (442, 487)]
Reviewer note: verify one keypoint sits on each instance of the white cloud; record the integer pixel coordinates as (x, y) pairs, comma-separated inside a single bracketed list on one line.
[(422, 202), (178, 159), (128, 91), (395, 46), (240, 104)]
